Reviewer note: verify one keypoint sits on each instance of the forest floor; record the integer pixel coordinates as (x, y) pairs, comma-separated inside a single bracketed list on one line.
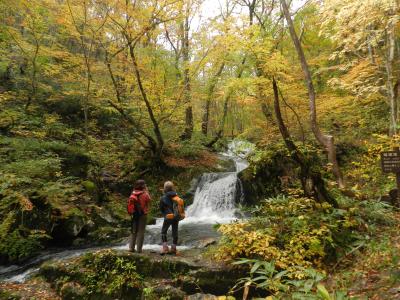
[(373, 272), (36, 289)]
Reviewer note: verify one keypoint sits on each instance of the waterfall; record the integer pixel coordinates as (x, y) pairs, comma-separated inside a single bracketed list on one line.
[(214, 202), (217, 193)]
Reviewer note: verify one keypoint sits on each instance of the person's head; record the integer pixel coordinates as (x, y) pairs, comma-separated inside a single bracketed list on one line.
[(140, 185), (169, 187)]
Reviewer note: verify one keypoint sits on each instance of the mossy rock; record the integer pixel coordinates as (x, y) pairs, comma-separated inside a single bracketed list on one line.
[(183, 274), (106, 234), (101, 216), (69, 228), (73, 291), (164, 292), (262, 178)]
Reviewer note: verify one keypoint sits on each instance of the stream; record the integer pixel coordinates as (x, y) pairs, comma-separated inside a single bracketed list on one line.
[(215, 201)]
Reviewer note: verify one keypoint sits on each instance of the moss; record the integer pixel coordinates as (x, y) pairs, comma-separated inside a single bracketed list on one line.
[(90, 186), (21, 244), (261, 178), (101, 275), (145, 272), (6, 295)]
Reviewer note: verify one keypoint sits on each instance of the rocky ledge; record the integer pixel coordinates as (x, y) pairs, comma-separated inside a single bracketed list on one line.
[(113, 274)]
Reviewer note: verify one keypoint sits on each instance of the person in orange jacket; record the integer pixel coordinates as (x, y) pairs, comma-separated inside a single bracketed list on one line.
[(171, 216)]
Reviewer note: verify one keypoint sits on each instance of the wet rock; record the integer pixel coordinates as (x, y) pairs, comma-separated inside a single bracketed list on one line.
[(168, 292), (206, 242), (74, 225), (68, 229), (107, 234), (226, 164), (189, 195), (101, 216), (268, 175), (151, 220), (79, 242)]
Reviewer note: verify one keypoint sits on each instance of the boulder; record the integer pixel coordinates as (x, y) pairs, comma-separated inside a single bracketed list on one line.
[(101, 216), (68, 228), (107, 234), (206, 242), (168, 292), (173, 276)]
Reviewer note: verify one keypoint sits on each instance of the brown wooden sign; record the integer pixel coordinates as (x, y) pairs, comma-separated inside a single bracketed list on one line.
[(390, 161)]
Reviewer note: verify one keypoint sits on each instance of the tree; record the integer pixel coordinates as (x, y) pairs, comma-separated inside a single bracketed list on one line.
[(130, 42), (318, 189), (326, 140), (87, 22), (368, 55), (26, 25)]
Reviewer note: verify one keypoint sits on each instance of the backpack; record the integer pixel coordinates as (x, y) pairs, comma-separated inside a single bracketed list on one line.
[(134, 207), (179, 208)]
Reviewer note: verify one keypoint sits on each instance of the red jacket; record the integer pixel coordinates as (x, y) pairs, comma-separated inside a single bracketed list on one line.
[(144, 199)]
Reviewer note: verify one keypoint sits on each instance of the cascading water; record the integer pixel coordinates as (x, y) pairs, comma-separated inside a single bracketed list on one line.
[(217, 193), (214, 202), (214, 199)]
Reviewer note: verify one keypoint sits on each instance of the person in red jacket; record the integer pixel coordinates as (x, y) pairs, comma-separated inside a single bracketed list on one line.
[(139, 217)]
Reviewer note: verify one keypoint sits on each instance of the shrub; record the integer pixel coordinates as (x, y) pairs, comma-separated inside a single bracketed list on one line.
[(298, 231), (21, 243), (109, 274)]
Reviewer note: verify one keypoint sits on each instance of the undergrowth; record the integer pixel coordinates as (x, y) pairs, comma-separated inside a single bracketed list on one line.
[(291, 235)]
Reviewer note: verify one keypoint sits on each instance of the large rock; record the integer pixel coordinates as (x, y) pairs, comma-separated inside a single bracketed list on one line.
[(169, 276), (68, 228), (101, 216)]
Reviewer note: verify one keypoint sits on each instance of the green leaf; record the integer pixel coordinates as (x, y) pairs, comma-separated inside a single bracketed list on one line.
[(255, 267), (281, 274), (323, 292)]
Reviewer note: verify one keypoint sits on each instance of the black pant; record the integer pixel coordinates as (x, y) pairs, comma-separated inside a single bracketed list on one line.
[(165, 227)]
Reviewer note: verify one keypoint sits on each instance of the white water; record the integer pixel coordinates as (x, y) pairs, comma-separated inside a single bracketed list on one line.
[(214, 202), (218, 193)]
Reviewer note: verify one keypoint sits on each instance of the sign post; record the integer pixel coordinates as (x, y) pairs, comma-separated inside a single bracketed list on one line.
[(390, 161)]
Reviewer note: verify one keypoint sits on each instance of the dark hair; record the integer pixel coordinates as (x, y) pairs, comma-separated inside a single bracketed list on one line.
[(140, 184)]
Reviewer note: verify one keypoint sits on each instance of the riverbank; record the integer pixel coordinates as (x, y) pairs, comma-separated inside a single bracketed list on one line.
[(110, 274)]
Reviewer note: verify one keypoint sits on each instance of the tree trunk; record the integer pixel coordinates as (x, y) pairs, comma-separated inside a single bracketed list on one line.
[(210, 94), (318, 190), (389, 83), (188, 132), (327, 141), (152, 145), (33, 92), (156, 128), (227, 98)]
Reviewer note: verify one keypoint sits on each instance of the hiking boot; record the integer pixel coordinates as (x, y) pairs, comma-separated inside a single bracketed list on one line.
[(173, 250), (165, 249)]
